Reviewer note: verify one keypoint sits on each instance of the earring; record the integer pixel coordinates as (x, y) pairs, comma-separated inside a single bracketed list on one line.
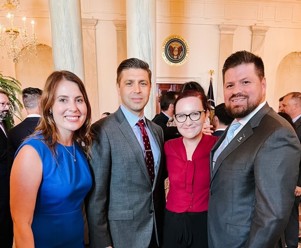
[(50, 111)]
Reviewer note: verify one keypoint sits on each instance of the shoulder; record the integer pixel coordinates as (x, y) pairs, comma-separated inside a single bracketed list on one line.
[(16, 128), (210, 139), (274, 121), (160, 119), (104, 123), (36, 142), (173, 143)]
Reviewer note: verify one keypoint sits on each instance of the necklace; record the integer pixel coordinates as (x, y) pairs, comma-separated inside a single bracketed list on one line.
[(72, 155)]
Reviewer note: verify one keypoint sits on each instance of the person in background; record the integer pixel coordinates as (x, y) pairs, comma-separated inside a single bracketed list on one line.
[(50, 175), (187, 160), (31, 101), (254, 164), (6, 226), (221, 119), (291, 105), (287, 117), (126, 206), (105, 114), (280, 107), (192, 85), (167, 101)]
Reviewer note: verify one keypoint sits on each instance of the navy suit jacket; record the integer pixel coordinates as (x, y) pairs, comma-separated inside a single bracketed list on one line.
[(6, 233), (17, 134), (169, 132)]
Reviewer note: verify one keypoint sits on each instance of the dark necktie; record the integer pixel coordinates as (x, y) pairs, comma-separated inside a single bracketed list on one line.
[(149, 158)]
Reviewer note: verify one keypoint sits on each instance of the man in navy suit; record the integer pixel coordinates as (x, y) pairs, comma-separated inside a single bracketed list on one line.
[(6, 232), (291, 104), (167, 101), (31, 101), (221, 119)]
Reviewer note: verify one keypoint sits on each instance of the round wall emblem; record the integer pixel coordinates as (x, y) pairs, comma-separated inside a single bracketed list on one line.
[(175, 50)]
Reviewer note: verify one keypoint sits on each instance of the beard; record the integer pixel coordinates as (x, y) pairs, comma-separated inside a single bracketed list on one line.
[(241, 111), (3, 115)]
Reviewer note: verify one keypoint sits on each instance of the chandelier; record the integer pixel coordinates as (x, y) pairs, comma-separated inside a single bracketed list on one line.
[(17, 40)]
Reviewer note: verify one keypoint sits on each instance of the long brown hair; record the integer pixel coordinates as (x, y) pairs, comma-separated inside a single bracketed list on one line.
[(47, 127)]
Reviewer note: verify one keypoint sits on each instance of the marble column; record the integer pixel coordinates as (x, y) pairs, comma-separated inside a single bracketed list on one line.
[(67, 45), (121, 40), (141, 40), (258, 37), (90, 62), (225, 49)]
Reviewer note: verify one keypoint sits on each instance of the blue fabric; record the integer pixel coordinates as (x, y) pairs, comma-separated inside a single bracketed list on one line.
[(58, 219)]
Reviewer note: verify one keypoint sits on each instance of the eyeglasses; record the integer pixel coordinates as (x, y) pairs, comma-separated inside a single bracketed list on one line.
[(194, 116)]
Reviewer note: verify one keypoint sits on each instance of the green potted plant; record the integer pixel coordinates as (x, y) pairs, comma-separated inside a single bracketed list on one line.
[(13, 87)]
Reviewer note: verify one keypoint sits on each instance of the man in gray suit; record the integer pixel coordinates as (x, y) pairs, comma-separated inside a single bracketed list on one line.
[(126, 208), (254, 176)]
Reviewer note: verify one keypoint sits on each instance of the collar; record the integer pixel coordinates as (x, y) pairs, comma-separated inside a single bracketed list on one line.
[(243, 121), (33, 115), (169, 117), (130, 117), (296, 118)]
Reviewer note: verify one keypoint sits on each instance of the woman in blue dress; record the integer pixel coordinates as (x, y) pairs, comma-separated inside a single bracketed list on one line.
[(50, 176)]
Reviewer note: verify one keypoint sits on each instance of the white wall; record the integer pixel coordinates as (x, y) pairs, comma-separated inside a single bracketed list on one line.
[(197, 21)]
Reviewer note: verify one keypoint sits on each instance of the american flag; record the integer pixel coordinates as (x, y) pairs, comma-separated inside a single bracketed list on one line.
[(210, 95)]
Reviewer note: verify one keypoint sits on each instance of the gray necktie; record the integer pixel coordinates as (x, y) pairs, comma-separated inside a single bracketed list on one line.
[(226, 141)]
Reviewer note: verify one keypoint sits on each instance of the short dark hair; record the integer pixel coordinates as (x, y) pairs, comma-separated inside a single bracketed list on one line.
[(135, 64), (193, 93), (244, 57), (31, 97), (167, 98), (192, 85), (222, 115)]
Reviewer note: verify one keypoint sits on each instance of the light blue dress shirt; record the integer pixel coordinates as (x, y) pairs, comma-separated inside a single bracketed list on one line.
[(132, 120)]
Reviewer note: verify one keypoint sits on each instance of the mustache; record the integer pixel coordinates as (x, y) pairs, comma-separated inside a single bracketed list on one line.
[(238, 95), (4, 112)]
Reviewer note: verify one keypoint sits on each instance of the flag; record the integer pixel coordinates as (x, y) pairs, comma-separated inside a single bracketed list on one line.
[(210, 95)]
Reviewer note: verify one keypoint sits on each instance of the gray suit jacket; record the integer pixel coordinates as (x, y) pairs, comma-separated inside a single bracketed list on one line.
[(124, 207), (252, 184)]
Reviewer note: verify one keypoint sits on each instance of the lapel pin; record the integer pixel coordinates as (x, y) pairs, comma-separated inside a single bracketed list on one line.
[(240, 138)]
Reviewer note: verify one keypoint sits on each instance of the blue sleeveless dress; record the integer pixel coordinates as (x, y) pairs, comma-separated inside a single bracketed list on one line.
[(58, 218)]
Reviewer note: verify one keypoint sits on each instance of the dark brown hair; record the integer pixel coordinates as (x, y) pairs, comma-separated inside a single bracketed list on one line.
[(193, 93), (47, 126), (133, 63), (244, 57)]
